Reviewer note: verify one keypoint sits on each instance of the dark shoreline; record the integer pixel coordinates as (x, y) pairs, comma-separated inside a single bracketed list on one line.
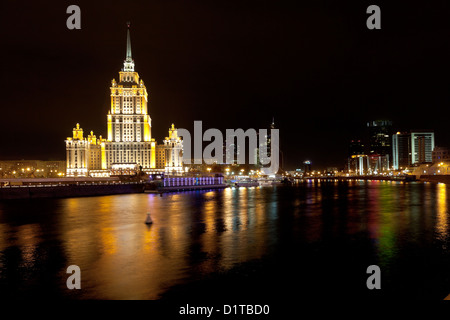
[(67, 191), (90, 190)]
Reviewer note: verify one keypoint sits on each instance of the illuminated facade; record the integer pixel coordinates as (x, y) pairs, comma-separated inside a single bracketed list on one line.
[(380, 140), (32, 169), (412, 148), (401, 150), (83, 154), (129, 143), (422, 146), (129, 124), (173, 146)]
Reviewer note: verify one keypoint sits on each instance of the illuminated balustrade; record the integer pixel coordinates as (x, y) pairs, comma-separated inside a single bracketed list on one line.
[(189, 181)]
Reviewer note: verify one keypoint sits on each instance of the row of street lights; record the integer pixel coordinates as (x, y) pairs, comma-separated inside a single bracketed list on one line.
[(242, 171)]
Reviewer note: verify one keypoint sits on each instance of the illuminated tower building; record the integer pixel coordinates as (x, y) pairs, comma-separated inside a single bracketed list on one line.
[(129, 146), (129, 124), (356, 148), (266, 144), (401, 150), (356, 157), (412, 148), (380, 132), (307, 167), (380, 145), (422, 146)]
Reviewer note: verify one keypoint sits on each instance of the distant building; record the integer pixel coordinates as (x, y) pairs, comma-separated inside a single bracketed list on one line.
[(378, 163), (32, 169), (401, 150), (356, 158), (380, 141), (173, 152), (422, 146), (265, 143), (356, 148), (332, 170), (307, 166), (440, 154), (413, 148), (54, 168)]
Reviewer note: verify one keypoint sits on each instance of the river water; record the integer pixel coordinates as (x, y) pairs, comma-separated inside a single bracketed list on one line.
[(311, 240)]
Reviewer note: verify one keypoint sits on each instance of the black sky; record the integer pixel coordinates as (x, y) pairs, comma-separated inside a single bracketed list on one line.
[(313, 66)]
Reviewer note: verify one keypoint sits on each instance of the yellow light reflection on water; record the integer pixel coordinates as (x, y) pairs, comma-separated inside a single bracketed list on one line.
[(28, 240), (441, 223)]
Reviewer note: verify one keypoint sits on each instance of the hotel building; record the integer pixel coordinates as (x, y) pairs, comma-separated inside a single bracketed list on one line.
[(129, 145)]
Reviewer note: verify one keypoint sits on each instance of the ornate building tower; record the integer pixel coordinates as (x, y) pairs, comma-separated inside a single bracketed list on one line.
[(129, 124), (173, 152), (129, 146), (83, 154)]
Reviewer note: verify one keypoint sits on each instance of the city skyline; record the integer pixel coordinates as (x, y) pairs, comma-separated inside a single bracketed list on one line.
[(187, 153), (296, 64)]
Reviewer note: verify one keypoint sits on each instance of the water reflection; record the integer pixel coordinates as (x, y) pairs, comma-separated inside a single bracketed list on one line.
[(442, 212), (199, 233)]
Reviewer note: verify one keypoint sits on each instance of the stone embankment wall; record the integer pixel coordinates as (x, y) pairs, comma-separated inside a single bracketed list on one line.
[(31, 192)]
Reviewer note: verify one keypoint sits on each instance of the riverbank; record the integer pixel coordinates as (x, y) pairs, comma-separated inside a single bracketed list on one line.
[(92, 189), (67, 191), (435, 178)]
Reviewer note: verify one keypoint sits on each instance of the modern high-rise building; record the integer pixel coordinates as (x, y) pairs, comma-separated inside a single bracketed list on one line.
[(356, 157), (307, 166), (413, 148), (401, 150), (422, 146), (265, 143), (355, 148), (129, 143), (380, 144)]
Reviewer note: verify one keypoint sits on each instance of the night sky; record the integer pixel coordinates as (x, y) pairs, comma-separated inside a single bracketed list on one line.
[(315, 67)]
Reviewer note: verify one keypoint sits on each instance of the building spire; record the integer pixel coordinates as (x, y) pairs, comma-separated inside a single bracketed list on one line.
[(128, 41), (128, 64)]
